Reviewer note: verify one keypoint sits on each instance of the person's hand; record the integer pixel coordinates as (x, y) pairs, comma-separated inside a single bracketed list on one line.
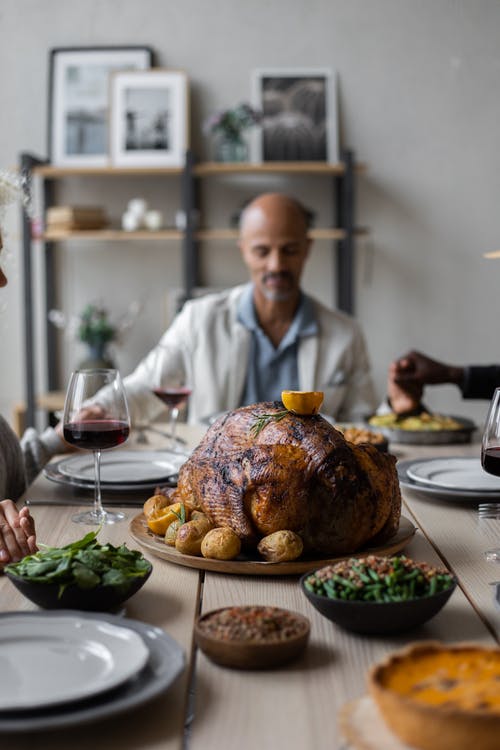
[(17, 533), (410, 373), (93, 411)]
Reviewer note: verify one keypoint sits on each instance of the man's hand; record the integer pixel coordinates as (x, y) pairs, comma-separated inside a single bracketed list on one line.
[(17, 533), (410, 373)]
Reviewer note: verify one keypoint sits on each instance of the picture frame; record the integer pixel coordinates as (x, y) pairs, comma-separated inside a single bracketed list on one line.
[(299, 115), (149, 118), (78, 111)]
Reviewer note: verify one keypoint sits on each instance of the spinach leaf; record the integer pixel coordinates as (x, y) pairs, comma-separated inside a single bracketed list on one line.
[(84, 563)]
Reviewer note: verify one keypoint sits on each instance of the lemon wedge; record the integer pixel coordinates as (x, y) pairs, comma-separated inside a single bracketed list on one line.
[(302, 402), (160, 519)]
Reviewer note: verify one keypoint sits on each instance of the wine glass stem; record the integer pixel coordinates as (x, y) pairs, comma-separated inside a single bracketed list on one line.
[(98, 509), (174, 413)]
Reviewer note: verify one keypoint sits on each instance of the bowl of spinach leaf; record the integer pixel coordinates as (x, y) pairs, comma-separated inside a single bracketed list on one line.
[(82, 575)]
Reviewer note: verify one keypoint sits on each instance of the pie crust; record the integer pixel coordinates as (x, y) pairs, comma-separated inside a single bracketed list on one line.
[(439, 696)]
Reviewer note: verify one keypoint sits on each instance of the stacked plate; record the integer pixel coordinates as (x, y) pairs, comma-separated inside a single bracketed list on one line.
[(66, 668), (121, 471), (451, 478)]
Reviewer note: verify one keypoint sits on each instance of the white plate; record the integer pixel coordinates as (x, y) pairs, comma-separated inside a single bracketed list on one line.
[(124, 467), (454, 474), (51, 471), (165, 663), (47, 663), (427, 491)]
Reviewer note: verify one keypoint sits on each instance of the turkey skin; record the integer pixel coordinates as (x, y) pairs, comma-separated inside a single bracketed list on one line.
[(298, 473)]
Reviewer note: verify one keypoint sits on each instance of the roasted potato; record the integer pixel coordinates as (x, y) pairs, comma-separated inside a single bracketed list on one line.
[(171, 532), (199, 517), (281, 546), (221, 543), (190, 536)]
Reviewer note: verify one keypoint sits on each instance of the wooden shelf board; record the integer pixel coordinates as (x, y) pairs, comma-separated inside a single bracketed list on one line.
[(316, 234), (205, 169), (202, 169), (117, 235), (49, 171), (106, 235)]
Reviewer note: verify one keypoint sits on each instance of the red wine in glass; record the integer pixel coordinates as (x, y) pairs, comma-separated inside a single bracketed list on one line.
[(90, 426), (173, 397), (91, 434), (490, 460)]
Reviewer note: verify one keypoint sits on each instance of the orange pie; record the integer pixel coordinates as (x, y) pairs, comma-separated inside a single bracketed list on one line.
[(441, 697)]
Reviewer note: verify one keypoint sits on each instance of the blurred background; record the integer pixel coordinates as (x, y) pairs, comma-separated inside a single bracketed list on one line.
[(418, 102)]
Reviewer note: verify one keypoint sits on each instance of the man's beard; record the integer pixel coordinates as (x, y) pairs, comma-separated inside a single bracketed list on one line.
[(278, 295)]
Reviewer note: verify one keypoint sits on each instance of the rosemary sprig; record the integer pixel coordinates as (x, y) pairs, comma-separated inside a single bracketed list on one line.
[(182, 515), (262, 420)]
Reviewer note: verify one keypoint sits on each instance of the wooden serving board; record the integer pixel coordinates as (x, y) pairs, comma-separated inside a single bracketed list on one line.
[(364, 728), (245, 565)]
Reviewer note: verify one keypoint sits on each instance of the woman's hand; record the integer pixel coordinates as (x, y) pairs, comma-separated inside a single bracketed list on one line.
[(17, 533)]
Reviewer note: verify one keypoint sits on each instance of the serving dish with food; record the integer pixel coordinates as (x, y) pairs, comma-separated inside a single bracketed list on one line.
[(357, 434), (376, 594), (271, 485), (252, 636), (83, 575), (434, 695), (423, 429), (249, 562)]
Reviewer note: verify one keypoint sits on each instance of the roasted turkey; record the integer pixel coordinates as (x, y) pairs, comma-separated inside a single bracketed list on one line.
[(296, 473)]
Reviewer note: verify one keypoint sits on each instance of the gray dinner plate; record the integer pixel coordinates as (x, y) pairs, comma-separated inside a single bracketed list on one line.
[(429, 491), (52, 472), (166, 662)]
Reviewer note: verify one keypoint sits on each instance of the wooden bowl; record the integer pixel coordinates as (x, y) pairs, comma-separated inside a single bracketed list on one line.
[(251, 653)]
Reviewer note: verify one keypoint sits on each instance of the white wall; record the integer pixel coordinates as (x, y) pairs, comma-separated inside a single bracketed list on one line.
[(419, 102)]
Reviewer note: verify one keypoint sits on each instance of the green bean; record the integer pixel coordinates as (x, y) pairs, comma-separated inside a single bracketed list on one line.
[(393, 579)]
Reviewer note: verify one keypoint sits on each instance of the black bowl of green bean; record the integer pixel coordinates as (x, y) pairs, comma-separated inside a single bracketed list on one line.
[(378, 595)]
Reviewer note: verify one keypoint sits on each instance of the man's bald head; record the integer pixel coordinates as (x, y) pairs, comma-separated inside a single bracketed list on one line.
[(274, 245), (277, 208)]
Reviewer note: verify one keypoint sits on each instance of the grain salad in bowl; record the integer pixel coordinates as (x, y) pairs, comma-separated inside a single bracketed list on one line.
[(252, 636)]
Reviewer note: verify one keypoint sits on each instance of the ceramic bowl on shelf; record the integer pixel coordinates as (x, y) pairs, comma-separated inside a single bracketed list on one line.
[(251, 637)]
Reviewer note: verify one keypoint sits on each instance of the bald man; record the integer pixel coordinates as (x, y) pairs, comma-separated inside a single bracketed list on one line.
[(251, 342)]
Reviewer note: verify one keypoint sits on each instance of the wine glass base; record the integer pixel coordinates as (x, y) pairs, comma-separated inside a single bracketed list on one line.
[(91, 518), (492, 555)]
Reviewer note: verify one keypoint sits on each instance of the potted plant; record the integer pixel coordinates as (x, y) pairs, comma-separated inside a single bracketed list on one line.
[(229, 126), (94, 328)]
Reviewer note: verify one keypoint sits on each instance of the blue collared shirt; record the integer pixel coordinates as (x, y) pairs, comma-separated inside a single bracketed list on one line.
[(273, 369)]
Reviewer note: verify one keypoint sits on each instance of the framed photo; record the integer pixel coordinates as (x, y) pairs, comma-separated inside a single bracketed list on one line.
[(149, 118), (300, 118), (79, 101)]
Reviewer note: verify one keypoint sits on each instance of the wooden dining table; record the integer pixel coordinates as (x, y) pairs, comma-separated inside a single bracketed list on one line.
[(295, 706)]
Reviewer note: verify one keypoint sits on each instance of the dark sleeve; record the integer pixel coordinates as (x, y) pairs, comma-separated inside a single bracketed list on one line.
[(480, 381)]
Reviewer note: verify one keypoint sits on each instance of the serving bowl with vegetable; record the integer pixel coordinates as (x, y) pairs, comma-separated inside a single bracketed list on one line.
[(83, 575), (378, 594)]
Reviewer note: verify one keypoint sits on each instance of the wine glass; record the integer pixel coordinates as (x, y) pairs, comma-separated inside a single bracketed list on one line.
[(96, 428), (490, 461), (172, 390)]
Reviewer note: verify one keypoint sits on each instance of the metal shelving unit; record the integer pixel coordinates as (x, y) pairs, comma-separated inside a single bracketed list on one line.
[(192, 177)]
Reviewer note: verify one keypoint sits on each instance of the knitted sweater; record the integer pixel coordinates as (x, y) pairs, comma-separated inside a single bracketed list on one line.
[(21, 461)]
